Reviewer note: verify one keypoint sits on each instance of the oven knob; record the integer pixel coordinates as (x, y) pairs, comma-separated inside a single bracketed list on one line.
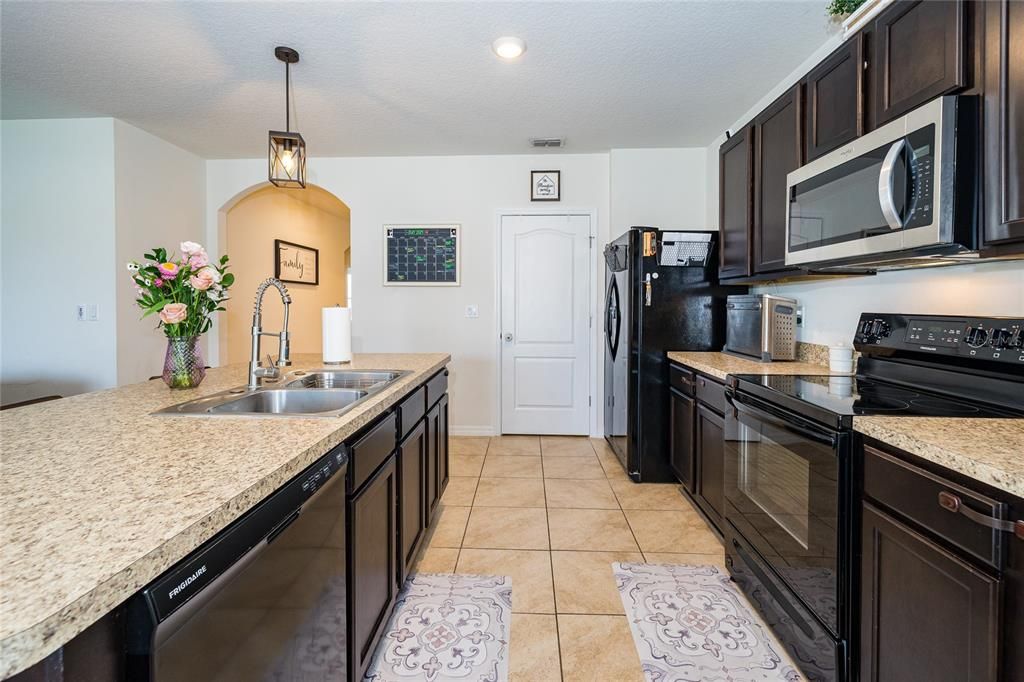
[(1000, 339), (976, 337), (1017, 338)]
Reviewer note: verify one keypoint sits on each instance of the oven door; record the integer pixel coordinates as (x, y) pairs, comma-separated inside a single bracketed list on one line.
[(784, 478)]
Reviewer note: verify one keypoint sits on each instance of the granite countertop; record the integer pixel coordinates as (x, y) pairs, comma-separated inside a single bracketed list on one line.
[(721, 365), (98, 497), (987, 450)]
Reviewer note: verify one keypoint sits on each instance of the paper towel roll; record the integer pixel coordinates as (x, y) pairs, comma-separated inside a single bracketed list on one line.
[(337, 328)]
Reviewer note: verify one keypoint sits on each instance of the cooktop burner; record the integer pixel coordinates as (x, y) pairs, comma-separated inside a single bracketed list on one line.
[(860, 396)]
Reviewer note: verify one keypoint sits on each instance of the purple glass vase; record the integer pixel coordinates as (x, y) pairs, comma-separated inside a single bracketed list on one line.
[(183, 365)]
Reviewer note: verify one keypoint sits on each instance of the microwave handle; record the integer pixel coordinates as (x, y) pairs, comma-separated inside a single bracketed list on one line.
[(885, 185)]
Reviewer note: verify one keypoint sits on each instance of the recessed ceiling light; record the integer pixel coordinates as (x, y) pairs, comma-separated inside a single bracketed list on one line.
[(509, 47)]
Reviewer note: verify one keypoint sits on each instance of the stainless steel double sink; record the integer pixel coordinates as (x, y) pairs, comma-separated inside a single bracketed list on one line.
[(314, 393)]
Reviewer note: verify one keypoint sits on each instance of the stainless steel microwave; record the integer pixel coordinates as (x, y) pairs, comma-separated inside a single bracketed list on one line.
[(899, 194)]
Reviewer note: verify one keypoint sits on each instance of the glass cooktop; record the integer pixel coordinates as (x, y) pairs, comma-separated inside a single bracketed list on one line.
[(859, 396)]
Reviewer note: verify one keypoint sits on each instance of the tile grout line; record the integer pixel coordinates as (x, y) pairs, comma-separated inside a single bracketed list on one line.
[(551, 565)]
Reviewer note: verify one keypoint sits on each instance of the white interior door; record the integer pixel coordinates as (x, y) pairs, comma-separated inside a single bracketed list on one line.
[(545, 324)]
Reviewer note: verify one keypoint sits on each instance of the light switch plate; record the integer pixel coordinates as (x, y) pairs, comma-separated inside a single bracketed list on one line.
[(472, 311)]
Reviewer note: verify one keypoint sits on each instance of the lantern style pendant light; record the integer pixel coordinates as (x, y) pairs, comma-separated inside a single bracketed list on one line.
[(286, 159)]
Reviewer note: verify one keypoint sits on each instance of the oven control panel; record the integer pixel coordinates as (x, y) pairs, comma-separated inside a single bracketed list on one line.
[(999, 339)]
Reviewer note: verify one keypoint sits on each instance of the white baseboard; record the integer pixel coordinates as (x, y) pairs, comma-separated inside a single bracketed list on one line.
[(471, 430)]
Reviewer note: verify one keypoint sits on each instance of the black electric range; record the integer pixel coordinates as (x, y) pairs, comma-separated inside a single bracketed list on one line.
[(792, 470)]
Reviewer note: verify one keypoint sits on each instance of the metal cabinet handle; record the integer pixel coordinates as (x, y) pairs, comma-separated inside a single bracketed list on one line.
[(885, 186), (953, 503)]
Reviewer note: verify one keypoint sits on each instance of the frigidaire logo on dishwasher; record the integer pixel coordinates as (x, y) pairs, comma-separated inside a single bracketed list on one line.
[(186, 582)]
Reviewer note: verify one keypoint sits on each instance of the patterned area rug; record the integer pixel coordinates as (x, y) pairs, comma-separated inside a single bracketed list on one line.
[(447, 627), (690, 624)]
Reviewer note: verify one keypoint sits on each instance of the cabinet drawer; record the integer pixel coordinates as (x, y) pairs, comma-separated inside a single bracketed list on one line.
[(914, 493), (711, 393), (437, 386), (370, 451), (680, 379), (411, 410)]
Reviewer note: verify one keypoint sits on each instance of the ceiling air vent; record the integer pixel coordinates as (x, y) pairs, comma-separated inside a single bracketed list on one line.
[(547, 142)]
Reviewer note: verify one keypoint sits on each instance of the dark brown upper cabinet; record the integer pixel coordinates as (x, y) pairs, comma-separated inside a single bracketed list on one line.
[(919, 54), (778, 150), (1004, 123), (834, 111), (735, 182)]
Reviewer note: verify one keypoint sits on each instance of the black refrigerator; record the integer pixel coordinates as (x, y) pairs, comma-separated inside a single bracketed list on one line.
[(661, 294)]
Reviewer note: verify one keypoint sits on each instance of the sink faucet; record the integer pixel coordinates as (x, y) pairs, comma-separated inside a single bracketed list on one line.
[(258, 372)]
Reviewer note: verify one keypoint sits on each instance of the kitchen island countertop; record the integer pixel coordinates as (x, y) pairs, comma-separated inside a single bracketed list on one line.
[(98, 497)]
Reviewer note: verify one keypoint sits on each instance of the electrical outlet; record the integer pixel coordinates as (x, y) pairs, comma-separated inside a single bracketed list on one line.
[(472, 311), (800, 316)]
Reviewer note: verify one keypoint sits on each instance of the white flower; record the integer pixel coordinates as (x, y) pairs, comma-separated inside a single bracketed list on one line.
[(188, 248), (133, 267)]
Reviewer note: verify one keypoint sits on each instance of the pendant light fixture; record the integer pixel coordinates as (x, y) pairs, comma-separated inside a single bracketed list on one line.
[(286, 158)]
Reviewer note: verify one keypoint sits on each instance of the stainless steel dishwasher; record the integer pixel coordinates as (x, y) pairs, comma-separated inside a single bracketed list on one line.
[(264, 599)]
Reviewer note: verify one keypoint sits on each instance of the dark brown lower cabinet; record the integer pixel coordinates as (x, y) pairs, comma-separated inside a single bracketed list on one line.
[(437, 452), (412, 477), (925, 613), (682, 423), (710, 440), (372, 563), (442, 444)]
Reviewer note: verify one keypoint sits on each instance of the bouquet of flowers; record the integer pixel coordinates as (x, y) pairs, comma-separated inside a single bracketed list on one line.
[(184, 292)]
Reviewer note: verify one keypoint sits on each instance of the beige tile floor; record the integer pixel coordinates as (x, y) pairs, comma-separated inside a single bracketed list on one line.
[(554, 513)]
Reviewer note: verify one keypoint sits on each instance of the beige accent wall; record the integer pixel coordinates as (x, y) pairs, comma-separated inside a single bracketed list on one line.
[(311, 217)]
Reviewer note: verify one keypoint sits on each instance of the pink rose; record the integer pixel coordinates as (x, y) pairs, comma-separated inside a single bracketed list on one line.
[(198, 259), (173, 313), (204, 279)]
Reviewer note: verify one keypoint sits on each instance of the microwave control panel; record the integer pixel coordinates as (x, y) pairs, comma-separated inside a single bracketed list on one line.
[(999, 339)]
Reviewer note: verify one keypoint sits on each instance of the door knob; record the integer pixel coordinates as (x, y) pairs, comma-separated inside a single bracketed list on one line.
[(508, 337)]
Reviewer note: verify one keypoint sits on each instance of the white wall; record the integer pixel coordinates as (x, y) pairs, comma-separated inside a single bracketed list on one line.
[(58, 251), (159, 201), (462, 189), (658, 187)]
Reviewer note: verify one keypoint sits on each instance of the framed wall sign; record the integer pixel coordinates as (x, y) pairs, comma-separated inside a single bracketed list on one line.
[(295, 263), (422, 255), (545, 185)]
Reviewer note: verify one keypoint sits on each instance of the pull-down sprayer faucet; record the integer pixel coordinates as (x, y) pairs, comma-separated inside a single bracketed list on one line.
[(270, 371)]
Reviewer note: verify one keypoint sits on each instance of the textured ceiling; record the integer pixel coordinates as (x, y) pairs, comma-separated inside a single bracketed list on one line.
[(404, 78)]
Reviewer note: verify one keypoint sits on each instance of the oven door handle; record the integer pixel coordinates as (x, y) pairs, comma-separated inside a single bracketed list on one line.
[(787, 423)]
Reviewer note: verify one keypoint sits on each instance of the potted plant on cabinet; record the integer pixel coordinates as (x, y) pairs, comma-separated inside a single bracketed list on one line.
[(183, 292)]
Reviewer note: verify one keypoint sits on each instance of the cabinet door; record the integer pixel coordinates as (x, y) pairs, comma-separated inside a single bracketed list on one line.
[(778, 151), (682, 414), (925, 613), (373, 558), (834, 113), (919, 55), (433, 478), (1004, 122), (710, 439), (412, 483), (735, 178), (442, 445)]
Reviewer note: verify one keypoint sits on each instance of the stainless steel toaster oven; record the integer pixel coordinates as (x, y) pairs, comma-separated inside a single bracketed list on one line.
[(761, 326)]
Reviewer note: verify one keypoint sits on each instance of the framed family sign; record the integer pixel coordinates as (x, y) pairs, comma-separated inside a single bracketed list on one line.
[(295, 263), (545, 185), (421, 255)]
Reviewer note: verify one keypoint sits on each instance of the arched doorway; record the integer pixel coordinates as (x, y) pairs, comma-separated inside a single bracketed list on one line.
[(312, 218)]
